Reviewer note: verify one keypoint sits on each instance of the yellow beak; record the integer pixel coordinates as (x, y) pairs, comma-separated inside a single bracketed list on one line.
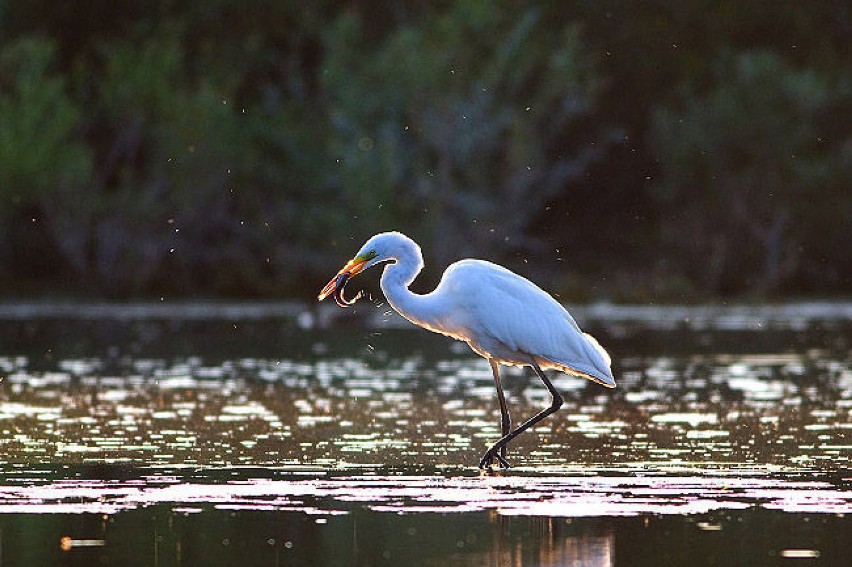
[(352, 267)]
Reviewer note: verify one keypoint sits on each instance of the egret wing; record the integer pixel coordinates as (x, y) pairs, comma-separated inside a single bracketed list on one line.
[(503, 308)]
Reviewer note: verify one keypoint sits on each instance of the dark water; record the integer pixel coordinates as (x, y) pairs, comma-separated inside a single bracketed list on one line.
[(270, 435)]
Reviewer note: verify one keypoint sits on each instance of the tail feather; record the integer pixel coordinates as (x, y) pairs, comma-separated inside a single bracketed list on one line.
[(601, 350)]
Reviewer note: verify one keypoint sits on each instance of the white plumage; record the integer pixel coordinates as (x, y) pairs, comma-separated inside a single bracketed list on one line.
[(501, 315), (504, 316)]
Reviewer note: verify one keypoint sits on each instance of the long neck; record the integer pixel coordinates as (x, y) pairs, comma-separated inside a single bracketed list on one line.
[(396, 278)]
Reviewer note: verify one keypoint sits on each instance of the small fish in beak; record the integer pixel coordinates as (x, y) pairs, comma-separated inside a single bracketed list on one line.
[(338, 283), (339, 286)]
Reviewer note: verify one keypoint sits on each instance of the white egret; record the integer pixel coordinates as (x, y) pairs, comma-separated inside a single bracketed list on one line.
[(501, 315)]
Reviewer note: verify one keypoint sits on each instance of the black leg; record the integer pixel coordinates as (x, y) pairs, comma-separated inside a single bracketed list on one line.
[(505, 420), (555, 404)]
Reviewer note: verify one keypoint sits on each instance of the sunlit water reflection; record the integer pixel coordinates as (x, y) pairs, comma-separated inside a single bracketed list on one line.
[(336, 413), (713, 418)]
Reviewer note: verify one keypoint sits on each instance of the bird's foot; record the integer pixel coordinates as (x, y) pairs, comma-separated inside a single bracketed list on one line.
[(489, 457)]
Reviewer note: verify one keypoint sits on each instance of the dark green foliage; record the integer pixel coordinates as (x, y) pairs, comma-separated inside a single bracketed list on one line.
[(40, 152), (643, 151), (756, 147)]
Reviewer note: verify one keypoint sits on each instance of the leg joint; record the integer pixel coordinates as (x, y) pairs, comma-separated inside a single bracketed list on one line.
[(557, 402)]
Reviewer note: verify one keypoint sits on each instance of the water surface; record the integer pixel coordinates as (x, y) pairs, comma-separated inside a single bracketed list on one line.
[(205, 434)]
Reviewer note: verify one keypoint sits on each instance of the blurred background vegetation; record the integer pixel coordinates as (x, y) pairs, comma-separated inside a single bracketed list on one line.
[(632, 151)]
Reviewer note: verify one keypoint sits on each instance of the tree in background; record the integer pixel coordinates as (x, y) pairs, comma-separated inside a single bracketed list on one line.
[(463, 124), (166, 183), (742, 160), (42, 155), (223, 149)]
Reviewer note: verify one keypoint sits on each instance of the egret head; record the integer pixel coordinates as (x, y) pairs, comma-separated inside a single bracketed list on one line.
[(387, 246)]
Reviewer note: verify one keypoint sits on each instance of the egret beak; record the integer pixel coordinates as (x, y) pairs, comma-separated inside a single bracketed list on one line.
[(338, 282)]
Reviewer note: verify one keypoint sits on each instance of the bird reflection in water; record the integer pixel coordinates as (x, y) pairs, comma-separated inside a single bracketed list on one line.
[(540, 541)]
